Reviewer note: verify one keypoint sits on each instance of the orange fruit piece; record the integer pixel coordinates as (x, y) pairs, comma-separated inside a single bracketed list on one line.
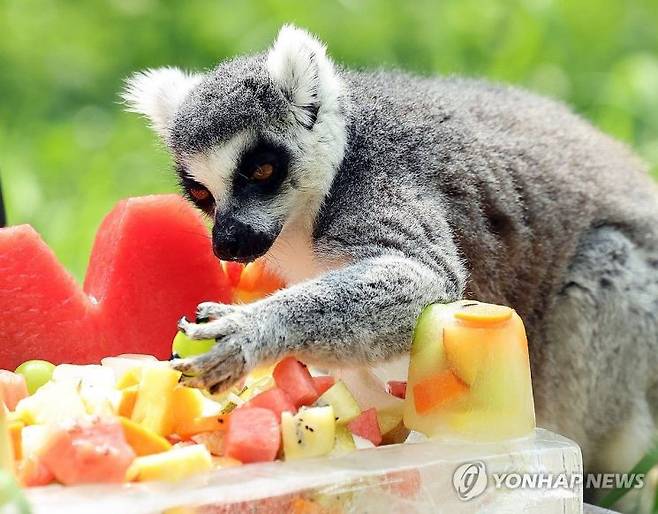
[(127, 401), (194, 426), (438, 390), (15, 434), (142, 440), (484, 314)]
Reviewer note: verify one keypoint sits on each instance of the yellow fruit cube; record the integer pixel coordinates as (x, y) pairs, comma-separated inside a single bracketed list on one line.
[(153, 407), (130, 378), (172, 465)]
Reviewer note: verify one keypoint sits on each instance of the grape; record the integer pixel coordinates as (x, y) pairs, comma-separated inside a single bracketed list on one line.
[(36, 373), (184, 347)]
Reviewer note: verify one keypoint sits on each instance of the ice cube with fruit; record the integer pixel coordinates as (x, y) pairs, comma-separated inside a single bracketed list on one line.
[(469, 374)]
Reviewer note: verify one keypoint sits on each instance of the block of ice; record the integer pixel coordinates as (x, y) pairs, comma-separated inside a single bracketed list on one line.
[(535, 474), (469, 373)]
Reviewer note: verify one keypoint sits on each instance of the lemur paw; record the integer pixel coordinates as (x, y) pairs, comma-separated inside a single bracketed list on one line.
[(209, 310), (228, 359)]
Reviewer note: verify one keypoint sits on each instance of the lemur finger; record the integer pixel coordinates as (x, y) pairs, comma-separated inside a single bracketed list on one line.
[(207, 311), (212, 330), (185, 366), (215, 370)]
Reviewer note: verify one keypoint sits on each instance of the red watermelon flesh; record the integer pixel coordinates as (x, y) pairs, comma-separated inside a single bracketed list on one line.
[(253, 435), (322, 383), (293, 377), (274, 399), (152, 262), (44, 313), (397, 388), (87, 452), (366, 425)]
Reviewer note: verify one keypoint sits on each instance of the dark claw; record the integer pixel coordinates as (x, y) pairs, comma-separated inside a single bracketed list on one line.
[(174, 356)]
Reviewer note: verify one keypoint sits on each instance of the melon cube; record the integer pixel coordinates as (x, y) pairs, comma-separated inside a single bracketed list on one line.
[(366, 425), (253, 435), (344, 442), (51, 403), (89, 451), (13, 388), (294, 378), (178, 463), (153, 407), (309, 433), (344, 405), (275, 400)]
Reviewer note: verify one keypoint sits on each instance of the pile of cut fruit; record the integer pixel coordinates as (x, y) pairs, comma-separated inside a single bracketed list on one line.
[(129, 419)]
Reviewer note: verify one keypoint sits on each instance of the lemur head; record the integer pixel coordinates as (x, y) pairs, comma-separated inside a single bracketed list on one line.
[(256, 142)]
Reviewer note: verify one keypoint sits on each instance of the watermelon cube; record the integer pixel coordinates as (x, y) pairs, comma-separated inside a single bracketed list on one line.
[(293, 377), (274, 399), (253, 435), (366, 425), (32, 472), (13, 388), (397, 388), (322, 383), (89, 451)]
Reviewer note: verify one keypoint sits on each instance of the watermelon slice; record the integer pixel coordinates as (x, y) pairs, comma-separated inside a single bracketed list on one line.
[(253, 435), (366, 425), (274, 399), (45, 314), (151, 264), (293, 377), (90, 451)]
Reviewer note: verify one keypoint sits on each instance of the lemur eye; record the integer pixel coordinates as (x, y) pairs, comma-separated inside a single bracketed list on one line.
[(200, 194), (262, 172)]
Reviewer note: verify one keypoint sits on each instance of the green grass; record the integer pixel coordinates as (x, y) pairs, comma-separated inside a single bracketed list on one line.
[(68, 152)]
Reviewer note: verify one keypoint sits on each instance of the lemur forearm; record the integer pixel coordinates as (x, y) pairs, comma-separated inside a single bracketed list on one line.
[(362, 313)]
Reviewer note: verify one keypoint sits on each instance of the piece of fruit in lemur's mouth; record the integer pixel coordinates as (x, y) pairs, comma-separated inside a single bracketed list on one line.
[(469, 373)]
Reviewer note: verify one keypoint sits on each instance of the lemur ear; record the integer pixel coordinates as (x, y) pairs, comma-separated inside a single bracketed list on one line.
[(298, 64), (157, 94)]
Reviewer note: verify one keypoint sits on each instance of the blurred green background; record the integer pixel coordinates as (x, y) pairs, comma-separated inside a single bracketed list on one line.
[(68, 152)]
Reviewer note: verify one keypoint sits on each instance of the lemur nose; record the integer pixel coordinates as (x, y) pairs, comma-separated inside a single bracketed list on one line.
[(236, 241)]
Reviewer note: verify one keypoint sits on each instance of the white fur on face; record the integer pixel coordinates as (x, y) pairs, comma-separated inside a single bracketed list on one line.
[(215, 167), (299, 65), (158, 93)]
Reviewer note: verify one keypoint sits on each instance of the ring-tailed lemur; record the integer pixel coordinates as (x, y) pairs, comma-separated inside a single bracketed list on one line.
[(375, 194)]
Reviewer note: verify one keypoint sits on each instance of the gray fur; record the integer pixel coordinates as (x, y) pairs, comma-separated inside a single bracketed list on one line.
[(455, 188)]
